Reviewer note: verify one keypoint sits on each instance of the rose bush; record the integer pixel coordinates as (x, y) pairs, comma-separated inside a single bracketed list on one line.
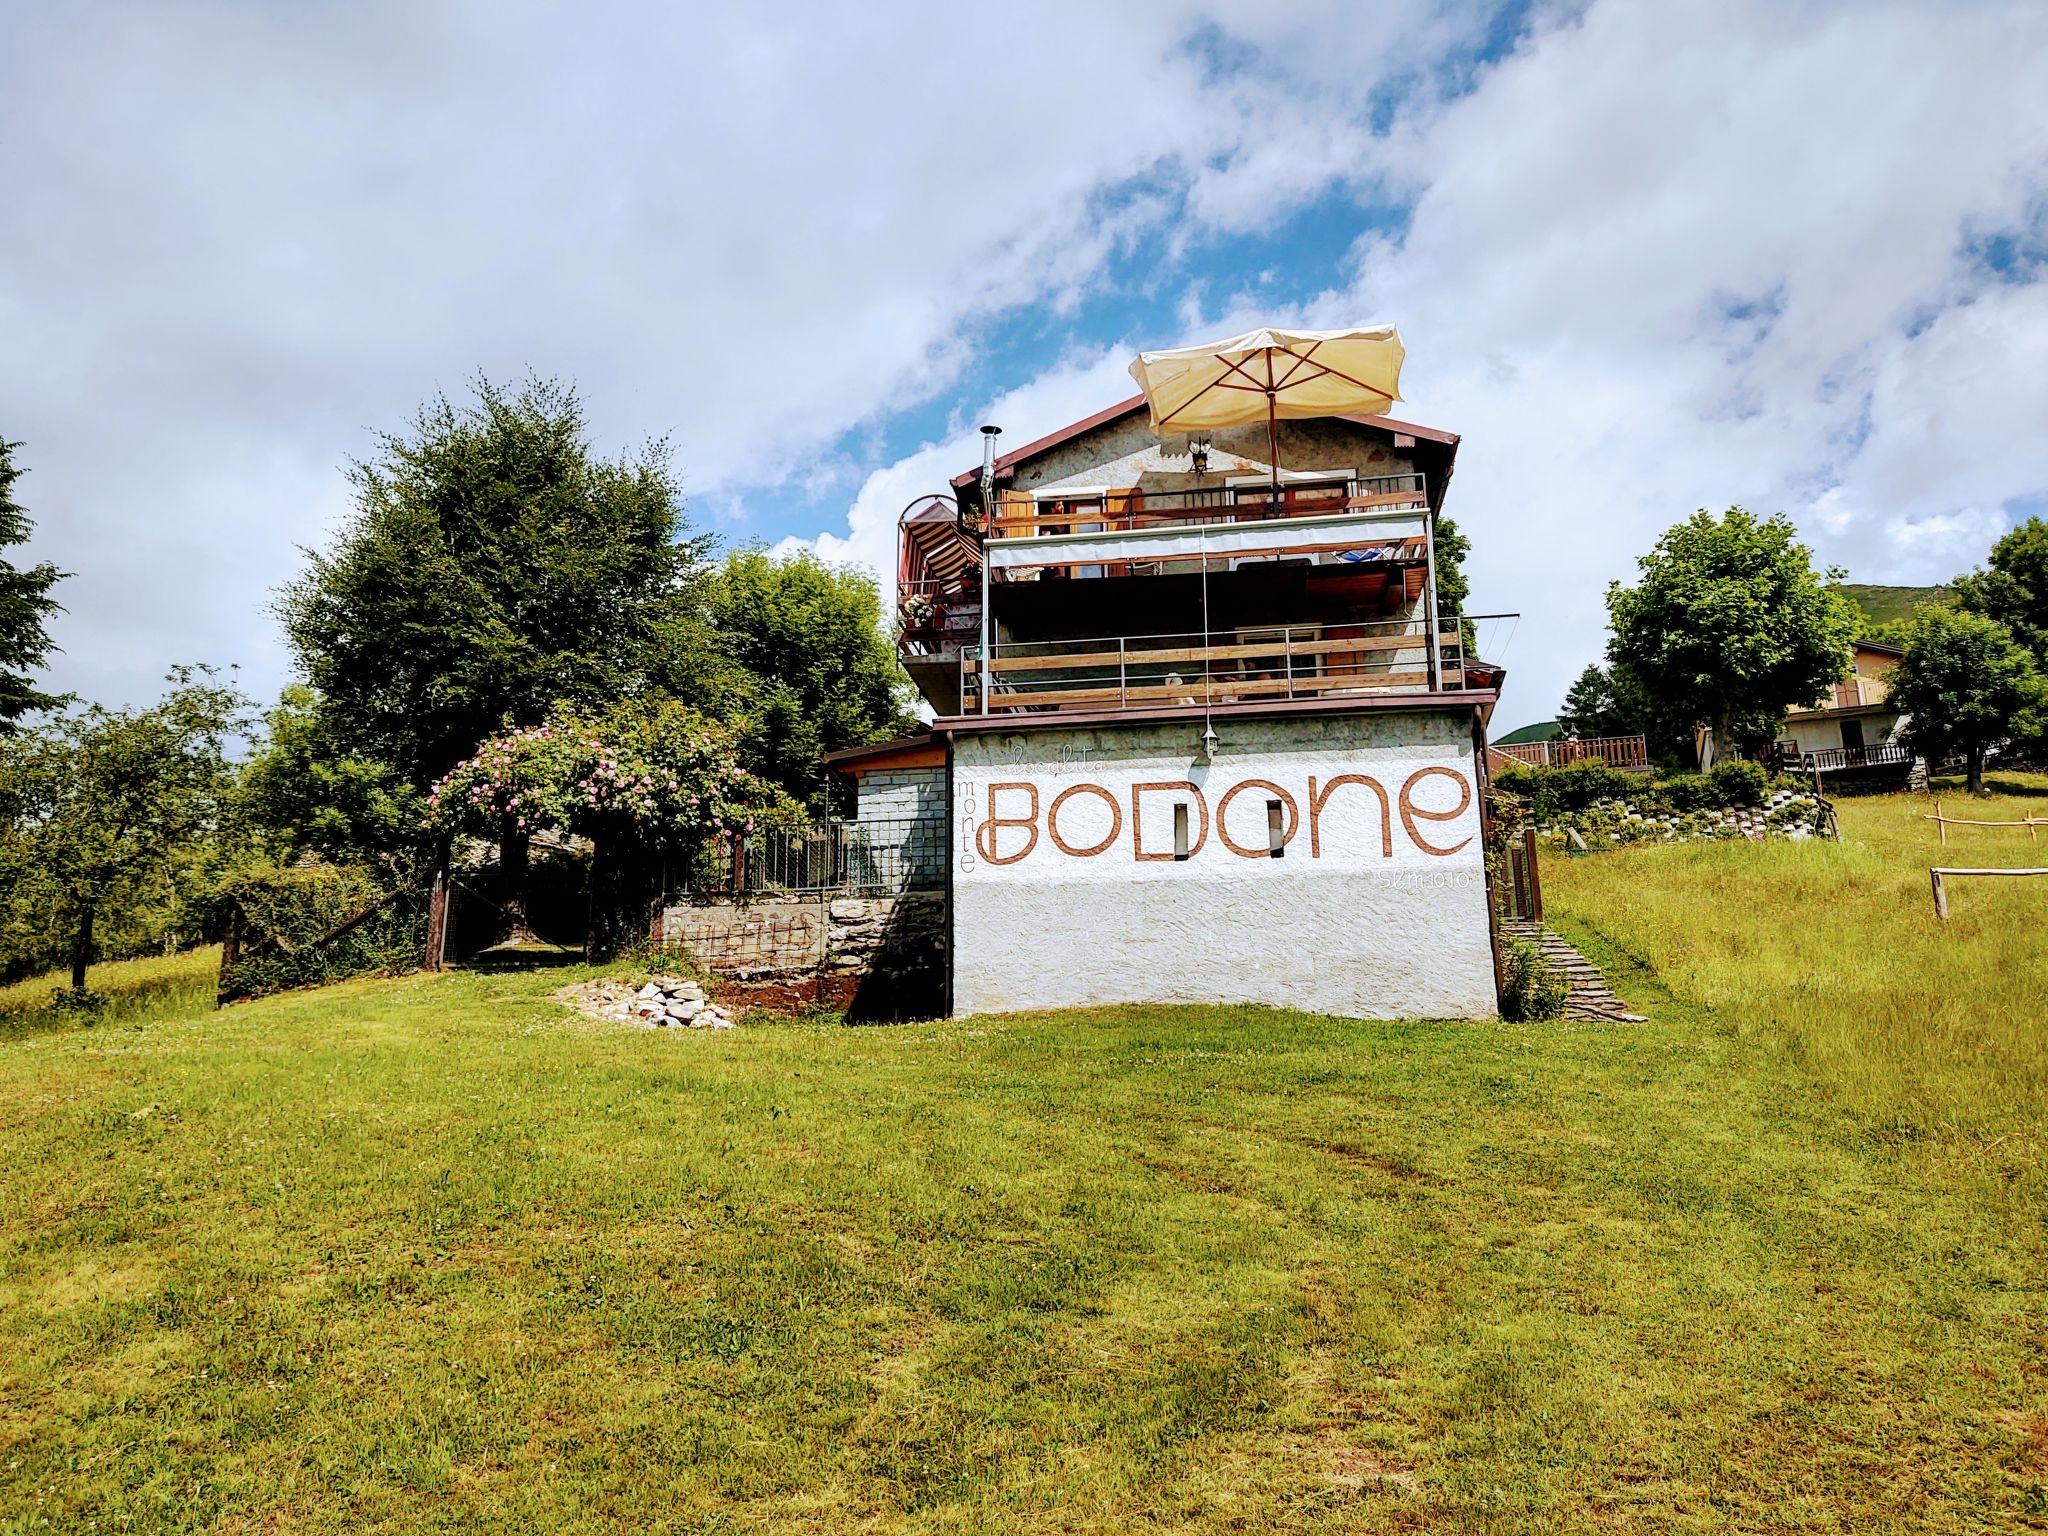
[(657, 774)]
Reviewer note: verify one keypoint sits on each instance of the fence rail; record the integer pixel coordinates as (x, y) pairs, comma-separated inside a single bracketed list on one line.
[(1615, 751), (1835, 759), (878, 856)]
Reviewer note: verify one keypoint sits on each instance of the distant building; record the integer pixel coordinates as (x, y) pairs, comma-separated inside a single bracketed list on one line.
[(1852, 731), (1193, 740)]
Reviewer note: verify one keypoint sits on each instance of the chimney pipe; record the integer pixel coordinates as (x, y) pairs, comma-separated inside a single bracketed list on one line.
[(988, 466)]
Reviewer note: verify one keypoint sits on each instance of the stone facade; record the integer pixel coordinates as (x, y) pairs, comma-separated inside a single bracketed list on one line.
[(1328, 862), (887, 955), (902, 811)]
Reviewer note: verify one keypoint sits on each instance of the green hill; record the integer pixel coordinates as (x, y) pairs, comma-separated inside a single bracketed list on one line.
[(1891, 605), (1542, 730)]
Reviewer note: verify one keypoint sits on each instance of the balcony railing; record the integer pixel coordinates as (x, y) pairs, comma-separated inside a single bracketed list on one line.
[(931, 615), (1215, 667), (1615, 751), (1019, 515), (1835, 759)]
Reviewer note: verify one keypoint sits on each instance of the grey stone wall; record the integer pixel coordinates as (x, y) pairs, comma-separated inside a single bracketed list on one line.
[(903, 813), (885, 955)]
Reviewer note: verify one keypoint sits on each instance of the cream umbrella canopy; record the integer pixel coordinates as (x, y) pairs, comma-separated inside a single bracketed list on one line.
[(1266, 374)]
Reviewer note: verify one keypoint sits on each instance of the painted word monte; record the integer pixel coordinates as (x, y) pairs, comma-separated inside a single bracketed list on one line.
[(1203, 728)]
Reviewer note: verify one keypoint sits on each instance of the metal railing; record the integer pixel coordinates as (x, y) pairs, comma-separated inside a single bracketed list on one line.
[(1216, 667), (1834, 759), (1020, 515), (1615, 751), (879, 856)]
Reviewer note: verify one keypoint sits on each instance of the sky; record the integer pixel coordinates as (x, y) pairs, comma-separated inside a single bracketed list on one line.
[(1647, 256)]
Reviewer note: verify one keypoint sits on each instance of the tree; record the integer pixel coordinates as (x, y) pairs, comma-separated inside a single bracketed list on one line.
[(1599, 705), (300, 791), (818, 672), (2013, 589), (1729, 627), (1964, 685), (494, 569), (25, 606), (99, 809)]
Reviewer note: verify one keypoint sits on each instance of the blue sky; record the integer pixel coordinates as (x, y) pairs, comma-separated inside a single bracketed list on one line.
[(1646, 258)]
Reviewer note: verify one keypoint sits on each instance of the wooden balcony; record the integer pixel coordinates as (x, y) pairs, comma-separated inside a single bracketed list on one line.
[(1631, 752), (1217, 667), (1020, 515)]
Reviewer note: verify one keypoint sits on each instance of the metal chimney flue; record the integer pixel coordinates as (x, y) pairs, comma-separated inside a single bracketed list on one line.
[(989, 434)]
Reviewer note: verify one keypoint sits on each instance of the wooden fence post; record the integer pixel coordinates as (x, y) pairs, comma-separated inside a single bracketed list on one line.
[(1535, 879), (1940, 895), (437, 918), (230, 952)]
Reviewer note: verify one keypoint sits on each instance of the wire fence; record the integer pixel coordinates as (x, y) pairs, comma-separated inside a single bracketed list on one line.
[(880, 856)]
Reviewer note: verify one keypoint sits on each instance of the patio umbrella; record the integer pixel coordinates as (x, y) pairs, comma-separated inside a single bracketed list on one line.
[(1267, 374)]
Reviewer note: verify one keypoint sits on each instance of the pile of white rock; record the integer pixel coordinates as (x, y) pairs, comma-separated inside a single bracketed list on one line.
[(662, 1002)]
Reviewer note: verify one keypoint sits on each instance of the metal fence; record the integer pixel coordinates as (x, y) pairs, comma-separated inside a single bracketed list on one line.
[(879, 856)]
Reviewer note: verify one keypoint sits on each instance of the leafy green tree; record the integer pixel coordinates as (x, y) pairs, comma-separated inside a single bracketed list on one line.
[(1729, 627), (25, 606), (1600, 705), (1965, 686), (101, 811), (494, 569), (300, 791), (2013, 588), (817, 669)]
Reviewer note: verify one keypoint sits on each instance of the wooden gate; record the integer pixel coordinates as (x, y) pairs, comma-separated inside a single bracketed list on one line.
[(1519, 886)]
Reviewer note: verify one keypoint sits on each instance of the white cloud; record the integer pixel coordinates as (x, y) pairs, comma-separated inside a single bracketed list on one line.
[(237, 239), (1663, 256)]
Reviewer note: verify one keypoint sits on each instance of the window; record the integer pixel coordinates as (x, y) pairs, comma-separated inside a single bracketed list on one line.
[(1180, 831)]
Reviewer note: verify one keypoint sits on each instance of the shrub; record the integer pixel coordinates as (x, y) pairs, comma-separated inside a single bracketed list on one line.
[(1573, 787), (1738, 783), (1532, 990), (289, 920), (1688, 792)]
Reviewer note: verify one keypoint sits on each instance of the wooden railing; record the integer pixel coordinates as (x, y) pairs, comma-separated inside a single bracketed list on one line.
[(1833, 759), (1019, 515), (1217, 667), (1615, 751)]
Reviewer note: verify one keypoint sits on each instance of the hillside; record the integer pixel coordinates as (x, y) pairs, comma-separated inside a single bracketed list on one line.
[(1885, 605)]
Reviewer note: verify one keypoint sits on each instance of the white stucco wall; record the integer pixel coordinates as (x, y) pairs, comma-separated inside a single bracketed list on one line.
[(1377, 908)]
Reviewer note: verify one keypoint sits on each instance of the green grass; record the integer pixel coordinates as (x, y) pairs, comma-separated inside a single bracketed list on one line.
[(170, 986), (429, 1255)]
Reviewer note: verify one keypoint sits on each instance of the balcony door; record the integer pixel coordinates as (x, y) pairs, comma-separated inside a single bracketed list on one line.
[(1852, 738)]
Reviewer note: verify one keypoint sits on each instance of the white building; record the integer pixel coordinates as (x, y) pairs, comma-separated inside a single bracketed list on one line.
[(1222, 748)]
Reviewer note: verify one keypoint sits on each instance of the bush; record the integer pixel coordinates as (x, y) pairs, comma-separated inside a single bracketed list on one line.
[(1532, 989), (1550, 791), (1687, 792), (289, 918), (1739, 784)]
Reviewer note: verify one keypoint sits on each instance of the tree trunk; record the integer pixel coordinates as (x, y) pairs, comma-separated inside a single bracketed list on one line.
[(513, 867), (81, 950), (1976, 761)]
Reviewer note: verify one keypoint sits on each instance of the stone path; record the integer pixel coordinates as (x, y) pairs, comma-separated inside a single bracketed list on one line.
[(1589, 996)]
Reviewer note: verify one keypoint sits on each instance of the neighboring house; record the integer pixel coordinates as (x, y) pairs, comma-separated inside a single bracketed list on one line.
[(1853, 731), (1221, 746)]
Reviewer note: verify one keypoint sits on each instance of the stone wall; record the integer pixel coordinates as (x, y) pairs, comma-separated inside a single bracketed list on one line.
[(1787, 813), (885, 955), (1329, 863), (902, 811)]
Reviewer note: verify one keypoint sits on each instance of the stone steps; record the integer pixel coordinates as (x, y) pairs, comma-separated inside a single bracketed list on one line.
[(1587, 996)]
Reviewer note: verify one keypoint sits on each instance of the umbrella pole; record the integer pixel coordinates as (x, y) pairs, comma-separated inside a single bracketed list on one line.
[(1273, 440)]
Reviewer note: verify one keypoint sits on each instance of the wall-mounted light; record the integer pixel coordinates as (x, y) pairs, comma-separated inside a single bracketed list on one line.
[(1198, 450)]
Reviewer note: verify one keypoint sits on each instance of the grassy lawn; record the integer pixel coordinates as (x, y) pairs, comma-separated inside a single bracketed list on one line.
[(426, 1255)]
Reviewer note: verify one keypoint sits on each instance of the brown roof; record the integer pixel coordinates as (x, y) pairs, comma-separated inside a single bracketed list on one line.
[(880, 754), (1136, 403)]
